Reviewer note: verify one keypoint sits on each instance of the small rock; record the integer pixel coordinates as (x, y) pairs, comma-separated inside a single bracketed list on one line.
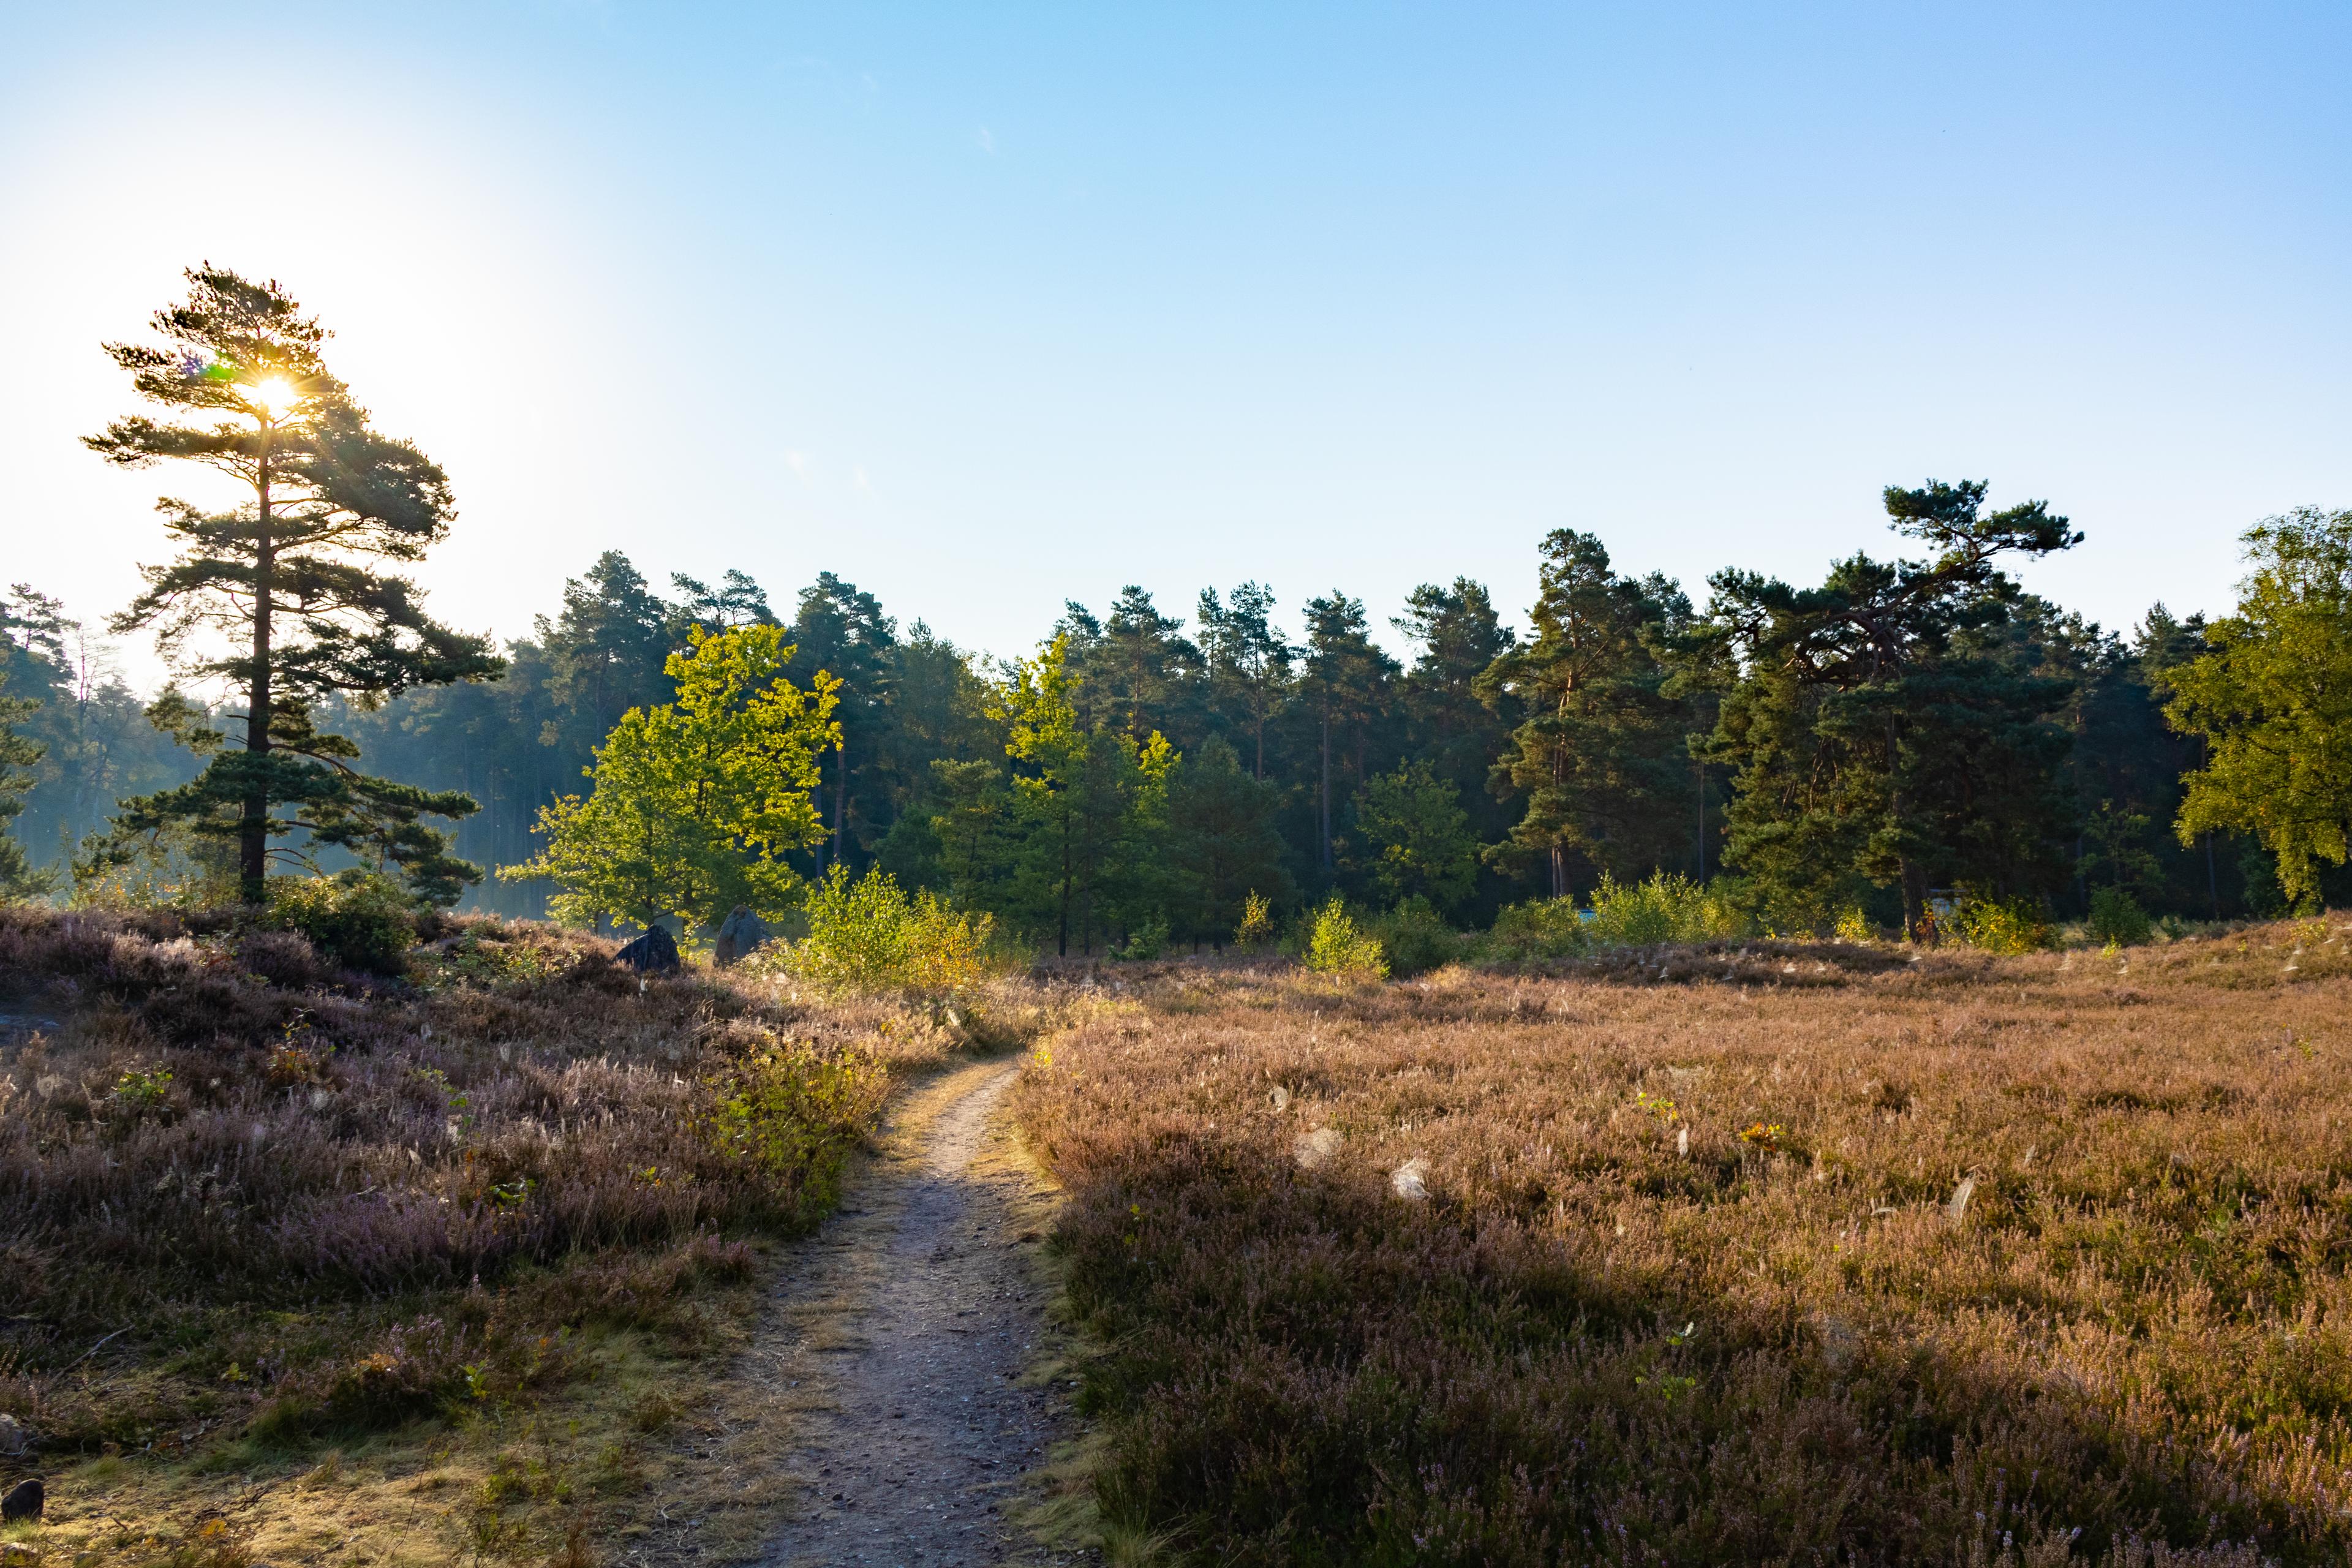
[(654, 952), (16, 1441), (739, 935), (1279, 1098), (1410, 1180), (1316, 1148), (23, 1502)]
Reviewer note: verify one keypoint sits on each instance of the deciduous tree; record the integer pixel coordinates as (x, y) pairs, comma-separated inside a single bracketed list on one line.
[(2271, 697), (696, 802)]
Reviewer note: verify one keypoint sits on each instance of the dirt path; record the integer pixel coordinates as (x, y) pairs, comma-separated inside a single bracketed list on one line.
[(920, 1312)]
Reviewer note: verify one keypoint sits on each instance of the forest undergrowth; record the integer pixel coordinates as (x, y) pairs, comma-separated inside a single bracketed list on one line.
[(474, 1231), (1739, 1251)]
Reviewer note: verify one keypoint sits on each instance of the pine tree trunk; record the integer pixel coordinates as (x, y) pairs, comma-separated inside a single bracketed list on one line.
[(840, 793), (1915, 898), (253, 824)]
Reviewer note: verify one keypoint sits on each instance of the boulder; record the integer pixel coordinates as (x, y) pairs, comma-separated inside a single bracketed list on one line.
[(654, 953), (739, 935), (23, 1502)]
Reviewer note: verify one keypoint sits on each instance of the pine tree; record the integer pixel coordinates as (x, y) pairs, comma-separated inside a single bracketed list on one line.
[(1134, 670), (1247, 662), (1599, 754), (1879, 734), (292, 580), (18, 878), (1347, 685), (1222, 845), (840, 629)]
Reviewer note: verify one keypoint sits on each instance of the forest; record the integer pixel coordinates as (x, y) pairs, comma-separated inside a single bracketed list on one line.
[(1621, 738)]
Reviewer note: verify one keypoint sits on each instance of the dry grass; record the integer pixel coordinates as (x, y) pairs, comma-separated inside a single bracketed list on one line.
[(1742, 1253), (446, 1246)]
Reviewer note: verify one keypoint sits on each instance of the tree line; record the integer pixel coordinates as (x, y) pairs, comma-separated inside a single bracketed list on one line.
[(1902, 729)]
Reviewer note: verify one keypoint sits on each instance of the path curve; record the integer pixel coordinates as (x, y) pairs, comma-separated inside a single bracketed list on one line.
[(913, 1447)]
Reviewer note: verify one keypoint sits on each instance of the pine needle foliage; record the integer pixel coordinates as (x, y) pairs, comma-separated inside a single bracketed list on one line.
[(287, 598)]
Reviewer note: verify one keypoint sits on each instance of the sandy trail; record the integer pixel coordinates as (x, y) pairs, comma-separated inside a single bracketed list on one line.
[(917, 1428)]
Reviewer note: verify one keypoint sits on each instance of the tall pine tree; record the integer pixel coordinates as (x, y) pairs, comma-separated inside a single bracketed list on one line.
[(293, 580)]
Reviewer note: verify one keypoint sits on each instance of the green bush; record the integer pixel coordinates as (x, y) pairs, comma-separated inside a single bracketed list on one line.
[(1340, 948), (1667, 907), (1537, 931), (1414, 938), (356, 919), (2116, 916), (2001, 925), (1147, 941), (868, 935)]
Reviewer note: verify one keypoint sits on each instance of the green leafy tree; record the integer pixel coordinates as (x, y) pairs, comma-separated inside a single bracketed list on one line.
[(1598, 755), (1412, 822), (293, 580), (2271, 697), (1222, 843), (1881, 729), (697, 801)]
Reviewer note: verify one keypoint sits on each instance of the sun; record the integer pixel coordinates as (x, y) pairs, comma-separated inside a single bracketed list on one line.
[(277, 396)]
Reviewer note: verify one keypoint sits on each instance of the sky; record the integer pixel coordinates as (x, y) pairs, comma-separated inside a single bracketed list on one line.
[(983, 308)]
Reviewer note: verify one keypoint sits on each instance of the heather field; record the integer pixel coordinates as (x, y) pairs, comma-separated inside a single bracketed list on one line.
[(465, 1244), (1739, 1253)]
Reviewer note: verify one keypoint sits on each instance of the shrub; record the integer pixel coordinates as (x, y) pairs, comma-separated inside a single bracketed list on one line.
[(2001, 925), (1147, 941), (1258, 922), (354, 918), (1538, 930), (2116, 916), (1666, 908), (792, 1113), (1414, 938), (1339, 948), (868, 935)]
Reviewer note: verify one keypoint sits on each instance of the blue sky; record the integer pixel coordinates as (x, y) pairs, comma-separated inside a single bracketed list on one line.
[(986, 307)]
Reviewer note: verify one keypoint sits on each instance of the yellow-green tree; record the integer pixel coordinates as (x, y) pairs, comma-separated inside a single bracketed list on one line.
[(2272, 694), (1089, 802), (696, 802)]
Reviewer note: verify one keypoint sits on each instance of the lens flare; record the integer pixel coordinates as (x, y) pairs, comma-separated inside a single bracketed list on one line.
[(277, 396)]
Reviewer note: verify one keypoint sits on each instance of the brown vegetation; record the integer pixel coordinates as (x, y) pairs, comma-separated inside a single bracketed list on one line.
[(1727, 1253)]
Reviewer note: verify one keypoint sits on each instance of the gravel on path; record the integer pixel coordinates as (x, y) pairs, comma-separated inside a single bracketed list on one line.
[(918, 1425)]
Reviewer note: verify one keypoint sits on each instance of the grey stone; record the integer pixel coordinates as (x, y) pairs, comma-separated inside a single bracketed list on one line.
[(654, 952), (16, 1442), (23, 1502), (742, 935)]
